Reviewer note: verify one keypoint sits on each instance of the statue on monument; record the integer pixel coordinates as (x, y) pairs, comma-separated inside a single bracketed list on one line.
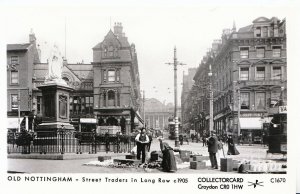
[(55, 64)]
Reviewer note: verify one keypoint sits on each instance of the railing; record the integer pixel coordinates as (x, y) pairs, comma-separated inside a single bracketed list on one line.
[(67, 142)]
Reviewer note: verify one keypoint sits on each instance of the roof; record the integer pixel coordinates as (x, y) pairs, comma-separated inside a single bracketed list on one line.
[(15, 47), (245, 29)]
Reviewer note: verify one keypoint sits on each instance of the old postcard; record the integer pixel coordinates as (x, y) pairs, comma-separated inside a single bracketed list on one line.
[(164, 97)]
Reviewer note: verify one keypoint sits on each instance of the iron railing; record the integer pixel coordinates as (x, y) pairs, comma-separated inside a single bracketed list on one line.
[(67, 142)]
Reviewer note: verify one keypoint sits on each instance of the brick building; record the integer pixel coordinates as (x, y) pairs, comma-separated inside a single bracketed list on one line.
[(106, 92)]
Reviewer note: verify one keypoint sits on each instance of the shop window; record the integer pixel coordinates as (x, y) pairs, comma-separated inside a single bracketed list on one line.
[(244, 52), (260, 52), (260, 100), (245, 101), (260, 73), (244, 73)]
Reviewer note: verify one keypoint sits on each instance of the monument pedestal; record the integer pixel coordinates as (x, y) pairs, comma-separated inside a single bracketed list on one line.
[(55, 106)]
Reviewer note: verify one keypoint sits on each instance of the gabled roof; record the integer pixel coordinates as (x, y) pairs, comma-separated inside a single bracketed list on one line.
[(110, 36), (17, 47)]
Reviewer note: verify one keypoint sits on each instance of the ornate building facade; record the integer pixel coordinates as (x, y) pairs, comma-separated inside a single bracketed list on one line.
[(248, 77), (106, 92)]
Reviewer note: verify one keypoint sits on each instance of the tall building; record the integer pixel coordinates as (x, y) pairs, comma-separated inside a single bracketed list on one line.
[(249, 77), (116, 81), (106, 92)]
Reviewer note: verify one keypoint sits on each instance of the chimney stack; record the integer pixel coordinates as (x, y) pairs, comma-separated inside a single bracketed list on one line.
[(32, 38), (118, 30)]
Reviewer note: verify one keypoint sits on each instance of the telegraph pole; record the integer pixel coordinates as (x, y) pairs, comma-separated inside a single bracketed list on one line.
[(211, 101), (175, 63)]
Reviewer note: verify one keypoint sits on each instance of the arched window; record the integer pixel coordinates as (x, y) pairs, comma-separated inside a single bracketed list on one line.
[(111, 98)]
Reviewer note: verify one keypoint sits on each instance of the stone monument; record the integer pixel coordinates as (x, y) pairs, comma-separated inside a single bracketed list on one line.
[(55, 100)]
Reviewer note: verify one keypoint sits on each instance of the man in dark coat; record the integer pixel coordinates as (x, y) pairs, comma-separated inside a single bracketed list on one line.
[(212, 144), (142, 141)]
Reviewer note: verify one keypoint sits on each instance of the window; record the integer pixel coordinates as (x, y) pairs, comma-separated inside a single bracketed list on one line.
[(244, 100), (14, 77), (105, 52), (104, 75), (111, 75), (39, 104), (111, 98), (260, 52), (265, 32), (14, 102), (257, 32), (260, 73), (276, 73), (118, 75), (244, 52), (14, 60), (244, 73), (260, 100), (110, 51), (275, 97), (81, 105), (276, 51)]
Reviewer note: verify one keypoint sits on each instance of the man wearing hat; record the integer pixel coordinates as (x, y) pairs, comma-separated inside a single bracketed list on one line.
[(142, 141), (212, 144)]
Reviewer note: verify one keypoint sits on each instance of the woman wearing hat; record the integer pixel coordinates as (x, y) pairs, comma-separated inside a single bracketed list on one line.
[(168, 160)]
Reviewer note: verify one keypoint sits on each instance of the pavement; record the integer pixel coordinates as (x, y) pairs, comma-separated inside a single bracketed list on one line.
[(76, 163)]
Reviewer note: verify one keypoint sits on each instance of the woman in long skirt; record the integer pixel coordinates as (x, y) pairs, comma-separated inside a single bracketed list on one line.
[(168, 160), (231, 147)]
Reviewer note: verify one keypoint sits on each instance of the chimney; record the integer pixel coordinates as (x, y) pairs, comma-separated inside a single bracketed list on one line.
[(118, 30), (32, 38)]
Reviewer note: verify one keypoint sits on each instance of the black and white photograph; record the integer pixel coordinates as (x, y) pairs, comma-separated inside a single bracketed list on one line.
[(192, 95)]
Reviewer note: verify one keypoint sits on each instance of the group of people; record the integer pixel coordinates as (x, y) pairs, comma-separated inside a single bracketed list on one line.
[(214, 145), (168, 159), (143, 143)]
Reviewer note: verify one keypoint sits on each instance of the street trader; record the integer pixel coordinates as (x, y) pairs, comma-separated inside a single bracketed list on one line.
[(142, 141)]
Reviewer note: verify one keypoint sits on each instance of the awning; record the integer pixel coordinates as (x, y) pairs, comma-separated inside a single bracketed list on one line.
[(251, 123), (12, 123)]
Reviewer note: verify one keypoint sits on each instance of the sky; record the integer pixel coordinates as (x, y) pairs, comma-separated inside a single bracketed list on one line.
[(154, 29)]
